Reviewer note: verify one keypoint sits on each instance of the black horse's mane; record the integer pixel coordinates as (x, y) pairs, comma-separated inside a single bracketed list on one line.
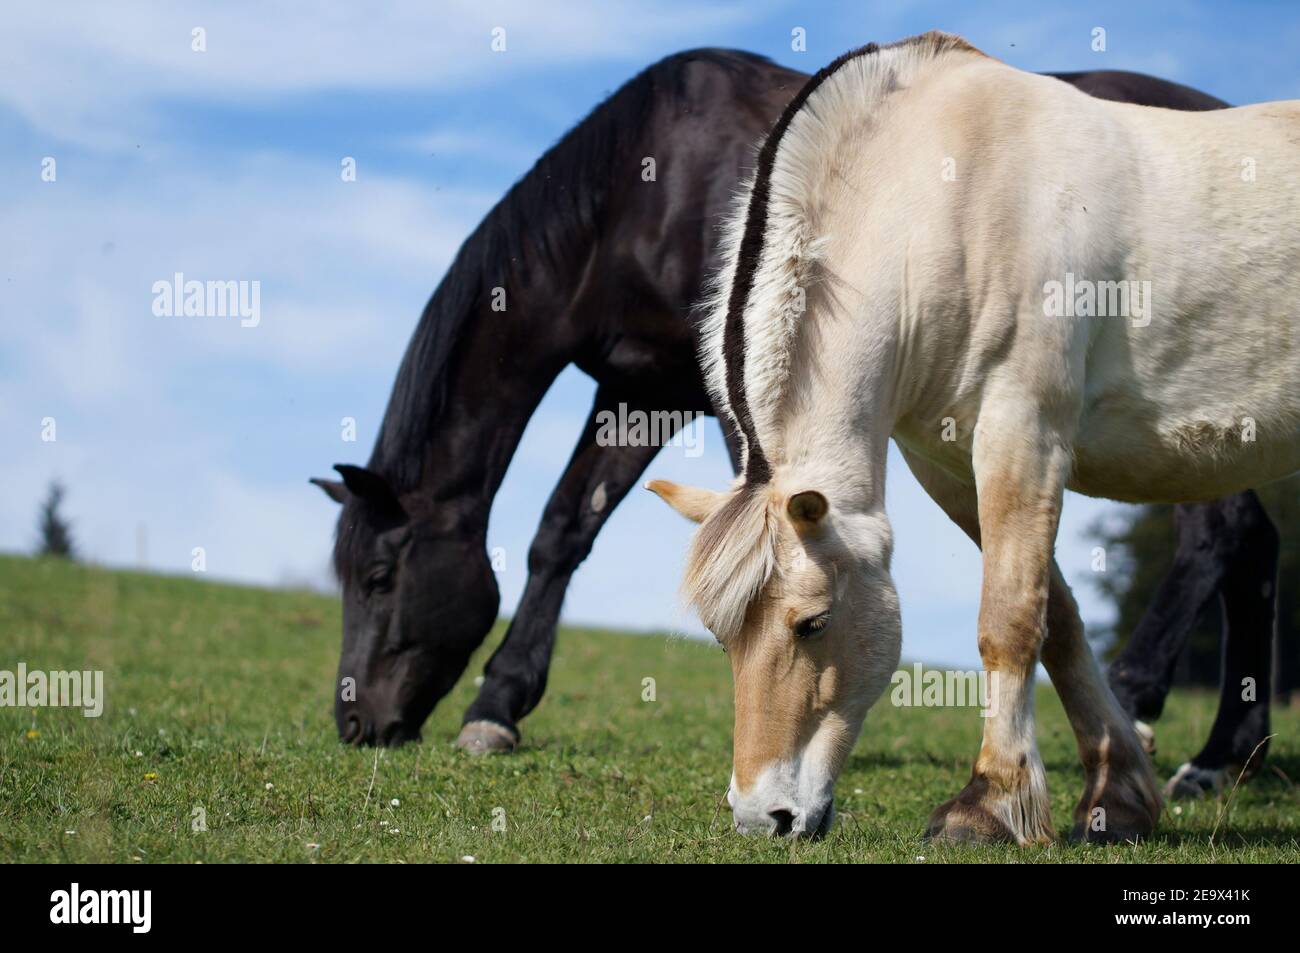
[(548, 216)]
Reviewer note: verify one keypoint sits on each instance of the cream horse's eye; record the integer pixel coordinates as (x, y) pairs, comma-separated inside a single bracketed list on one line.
[(811, 625)]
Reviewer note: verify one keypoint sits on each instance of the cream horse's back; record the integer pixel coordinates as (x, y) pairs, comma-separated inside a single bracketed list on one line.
[(1206, 393), (1032, 213)]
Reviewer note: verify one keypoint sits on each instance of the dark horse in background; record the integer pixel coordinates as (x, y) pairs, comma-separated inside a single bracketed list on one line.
[(600, 268)]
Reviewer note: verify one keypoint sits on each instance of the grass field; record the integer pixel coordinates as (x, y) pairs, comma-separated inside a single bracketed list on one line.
[(218, 698)]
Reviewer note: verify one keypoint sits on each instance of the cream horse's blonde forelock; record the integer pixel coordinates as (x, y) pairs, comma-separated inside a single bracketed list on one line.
[(731, 560)]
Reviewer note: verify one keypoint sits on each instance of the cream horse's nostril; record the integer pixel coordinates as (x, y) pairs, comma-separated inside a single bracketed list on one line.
[(784, 822)]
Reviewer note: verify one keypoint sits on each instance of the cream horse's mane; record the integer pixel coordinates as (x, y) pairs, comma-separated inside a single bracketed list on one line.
[(778, 264), (752, 313)]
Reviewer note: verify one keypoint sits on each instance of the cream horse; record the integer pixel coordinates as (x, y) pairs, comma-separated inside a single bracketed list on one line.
[(1029, 290)]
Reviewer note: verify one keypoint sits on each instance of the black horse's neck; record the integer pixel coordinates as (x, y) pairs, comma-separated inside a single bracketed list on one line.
[(470, 380), (502, 325)]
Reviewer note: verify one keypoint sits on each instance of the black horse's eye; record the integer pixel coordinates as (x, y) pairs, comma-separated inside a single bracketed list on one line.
[(381, 580), (811, 625)]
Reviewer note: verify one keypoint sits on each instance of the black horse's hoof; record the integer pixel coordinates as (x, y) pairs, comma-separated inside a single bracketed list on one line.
[(1146, 735), (1190, 781), (487, 737)]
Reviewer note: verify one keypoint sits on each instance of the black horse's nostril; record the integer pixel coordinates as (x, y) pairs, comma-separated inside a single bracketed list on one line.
[(784, 821), (351, 729)]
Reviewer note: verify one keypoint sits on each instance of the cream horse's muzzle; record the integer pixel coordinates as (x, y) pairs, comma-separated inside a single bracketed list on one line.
[(774, 809)]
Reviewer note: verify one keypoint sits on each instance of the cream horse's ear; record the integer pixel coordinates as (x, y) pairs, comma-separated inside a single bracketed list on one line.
[(692, 502), (807, 508)]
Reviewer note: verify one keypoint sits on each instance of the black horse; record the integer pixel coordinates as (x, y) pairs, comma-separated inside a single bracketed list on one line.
[(585, 261)]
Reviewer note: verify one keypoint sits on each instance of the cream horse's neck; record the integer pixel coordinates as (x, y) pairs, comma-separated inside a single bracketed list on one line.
[(834, 437)]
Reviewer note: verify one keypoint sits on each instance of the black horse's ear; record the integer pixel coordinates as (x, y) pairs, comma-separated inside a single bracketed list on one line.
[(371, 487), (334, 489)]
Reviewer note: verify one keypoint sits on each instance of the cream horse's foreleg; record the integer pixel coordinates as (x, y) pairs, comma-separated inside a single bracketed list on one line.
[(1020, 474), (1119, 778)]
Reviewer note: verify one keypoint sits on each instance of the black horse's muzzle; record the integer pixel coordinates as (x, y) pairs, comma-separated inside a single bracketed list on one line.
[(354, 729)]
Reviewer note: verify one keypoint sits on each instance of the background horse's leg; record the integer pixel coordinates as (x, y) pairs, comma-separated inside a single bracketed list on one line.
[(1229, 548), (1140, 677), (593, 484), (1248, 595)]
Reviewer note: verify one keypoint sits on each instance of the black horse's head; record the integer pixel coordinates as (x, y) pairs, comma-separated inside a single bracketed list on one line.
[(418, 599)]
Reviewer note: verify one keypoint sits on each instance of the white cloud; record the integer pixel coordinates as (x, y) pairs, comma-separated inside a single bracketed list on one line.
[(344, 269), (156, 415), (79, 71), (181, 492)]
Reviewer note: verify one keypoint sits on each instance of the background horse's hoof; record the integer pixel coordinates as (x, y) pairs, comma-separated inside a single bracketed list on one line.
[(486, 737), (1191, 781), (1146, 734)]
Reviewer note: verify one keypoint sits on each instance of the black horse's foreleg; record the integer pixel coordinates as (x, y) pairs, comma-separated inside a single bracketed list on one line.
[(1140, 677), (1249, 600), (593, 484)]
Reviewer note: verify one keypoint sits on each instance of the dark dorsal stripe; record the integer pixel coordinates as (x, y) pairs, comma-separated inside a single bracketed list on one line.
[(757, 467)]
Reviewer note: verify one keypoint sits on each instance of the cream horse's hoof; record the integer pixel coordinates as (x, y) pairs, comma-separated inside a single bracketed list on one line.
[(486, 737)]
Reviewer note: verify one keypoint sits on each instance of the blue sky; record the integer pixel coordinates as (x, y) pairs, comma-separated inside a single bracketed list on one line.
[(224, 164)]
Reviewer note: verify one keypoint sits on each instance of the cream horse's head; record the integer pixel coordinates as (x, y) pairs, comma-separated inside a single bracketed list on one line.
[(799, 595)]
